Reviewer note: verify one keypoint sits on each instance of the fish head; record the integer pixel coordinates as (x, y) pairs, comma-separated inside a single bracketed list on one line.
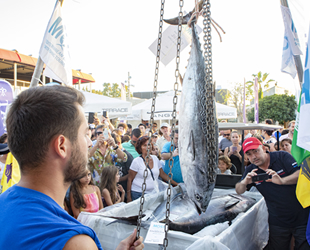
[(203, 194)]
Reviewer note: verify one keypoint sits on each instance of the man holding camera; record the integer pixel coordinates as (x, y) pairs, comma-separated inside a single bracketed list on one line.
[(275, 175), (105, 152)]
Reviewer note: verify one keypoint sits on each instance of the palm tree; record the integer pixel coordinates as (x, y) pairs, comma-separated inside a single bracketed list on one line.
[(262, 80)]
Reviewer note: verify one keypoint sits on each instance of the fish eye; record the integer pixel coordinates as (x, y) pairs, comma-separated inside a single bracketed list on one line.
[(198, 197)]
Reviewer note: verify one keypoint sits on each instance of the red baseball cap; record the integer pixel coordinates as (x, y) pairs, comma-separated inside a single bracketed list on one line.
[(250, 143)]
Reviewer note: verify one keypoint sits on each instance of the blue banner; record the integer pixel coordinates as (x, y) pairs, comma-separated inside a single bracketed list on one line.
[(6, 98)]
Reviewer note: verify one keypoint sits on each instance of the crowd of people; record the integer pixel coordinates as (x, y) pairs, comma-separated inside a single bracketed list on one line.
[(86, 167), (230, 144)]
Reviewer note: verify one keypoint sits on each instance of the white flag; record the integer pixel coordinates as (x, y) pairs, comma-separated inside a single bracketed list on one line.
[(123, 92), (54, 50), (303, 120), (291, 44)]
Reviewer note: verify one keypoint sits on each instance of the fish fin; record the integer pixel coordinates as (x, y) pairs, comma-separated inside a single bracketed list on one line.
[(231, 203), (191, 145)]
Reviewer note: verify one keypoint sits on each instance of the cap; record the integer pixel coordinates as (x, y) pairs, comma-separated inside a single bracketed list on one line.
[(250, 143), (155, 134), (164, 125), (4, 149)]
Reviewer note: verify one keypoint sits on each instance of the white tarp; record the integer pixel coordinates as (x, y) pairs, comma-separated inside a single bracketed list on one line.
[(249, 231), (164, 107), (97, 103)]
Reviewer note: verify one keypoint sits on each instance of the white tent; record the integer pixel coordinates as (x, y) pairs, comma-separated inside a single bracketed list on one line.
[(164, 107), (97, 103)]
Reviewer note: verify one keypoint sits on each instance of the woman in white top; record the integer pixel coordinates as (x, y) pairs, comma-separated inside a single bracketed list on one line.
[(135, 176), (269, 139)]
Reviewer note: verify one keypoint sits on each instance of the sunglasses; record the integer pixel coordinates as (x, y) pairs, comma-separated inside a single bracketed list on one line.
[(226, 134), (99, 133)]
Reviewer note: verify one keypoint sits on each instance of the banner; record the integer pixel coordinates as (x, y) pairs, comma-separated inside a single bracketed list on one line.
[(6, 98), (11, 173), (54, 50), (291, 44), (256, 117)]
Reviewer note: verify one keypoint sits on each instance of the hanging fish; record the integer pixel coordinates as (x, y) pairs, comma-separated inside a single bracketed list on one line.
[(199, 177)]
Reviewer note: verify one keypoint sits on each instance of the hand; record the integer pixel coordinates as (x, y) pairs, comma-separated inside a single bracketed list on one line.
[(248, 179), (105, 119), (130, 243), (175, 152), (111, 142), (128, 198), (96, 121), (120, 188), (100, 140), (276, 179)]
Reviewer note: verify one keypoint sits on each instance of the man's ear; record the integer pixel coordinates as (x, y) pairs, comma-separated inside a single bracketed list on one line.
[(61, 146)]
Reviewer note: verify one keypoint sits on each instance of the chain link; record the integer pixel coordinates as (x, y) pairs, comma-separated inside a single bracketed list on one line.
[(174, 113), (145, 173), (211, 121)]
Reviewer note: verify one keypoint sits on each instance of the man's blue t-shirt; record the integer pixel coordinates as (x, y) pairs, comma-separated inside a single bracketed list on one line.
[(176, 170), (32, 220)]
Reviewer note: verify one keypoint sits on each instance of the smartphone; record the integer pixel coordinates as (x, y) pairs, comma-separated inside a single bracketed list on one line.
[(105, 114), (91, 117), (105, 134), (234, 149), (261, 177)]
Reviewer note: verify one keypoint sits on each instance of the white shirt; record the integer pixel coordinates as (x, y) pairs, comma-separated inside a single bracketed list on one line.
[(138, 166), (161, 142)]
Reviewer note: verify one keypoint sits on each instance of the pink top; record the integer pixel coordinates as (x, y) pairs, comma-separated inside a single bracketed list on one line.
[(92, 203)]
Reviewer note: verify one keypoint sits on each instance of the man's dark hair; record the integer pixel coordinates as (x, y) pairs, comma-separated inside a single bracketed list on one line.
[(3, 137), (125, 138), (36, 116), (99, 127), (269, 132), (269, 121), (285, 131), (141, 124), (129, 126), (136, 132)]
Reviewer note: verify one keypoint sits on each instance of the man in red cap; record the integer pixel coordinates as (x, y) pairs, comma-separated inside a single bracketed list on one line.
[(286, 216)]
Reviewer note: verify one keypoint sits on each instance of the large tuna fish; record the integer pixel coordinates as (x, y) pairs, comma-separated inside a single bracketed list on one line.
[(184, 217), (199, 177)]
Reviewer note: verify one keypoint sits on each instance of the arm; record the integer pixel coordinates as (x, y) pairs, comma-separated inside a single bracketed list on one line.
[(165, 156), (166, 178), (132, 174), (93, 149), (226, 152), (120, 154), (99, 197), (123, 178), (131, 243), (107, 197), (76, 211), (111, 127), (122, 198), (288, 180), (241, 186), (80, 241)]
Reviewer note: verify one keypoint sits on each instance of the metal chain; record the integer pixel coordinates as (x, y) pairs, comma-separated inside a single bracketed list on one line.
[(145, 173), (174, 113), (211, 121)]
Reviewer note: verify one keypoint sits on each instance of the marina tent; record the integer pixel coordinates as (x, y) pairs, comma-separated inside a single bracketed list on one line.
[(98, 103), (164, 107)]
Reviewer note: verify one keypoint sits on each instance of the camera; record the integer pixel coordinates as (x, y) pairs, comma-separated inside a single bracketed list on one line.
[(261, 177)]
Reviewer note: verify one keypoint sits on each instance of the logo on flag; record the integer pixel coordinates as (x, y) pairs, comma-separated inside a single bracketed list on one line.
[(54, 50), (291, 44)]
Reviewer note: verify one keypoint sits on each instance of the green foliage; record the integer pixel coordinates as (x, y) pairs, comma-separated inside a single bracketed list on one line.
[(279, 108), (113, 90), (262, 80)]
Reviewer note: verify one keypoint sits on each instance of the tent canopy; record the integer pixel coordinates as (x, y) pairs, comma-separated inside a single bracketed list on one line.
[(98, 103), (164, 107)]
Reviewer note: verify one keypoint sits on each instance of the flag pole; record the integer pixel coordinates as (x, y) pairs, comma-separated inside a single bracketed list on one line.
[(39, 67), (297, 59)]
